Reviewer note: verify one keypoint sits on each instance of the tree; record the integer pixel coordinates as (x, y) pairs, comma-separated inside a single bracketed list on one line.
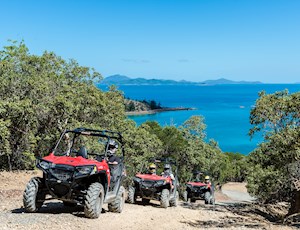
[(277, 117), (186, 144), (238, 167), (153, 104), (130, 106), (42, 95), (140, 146)]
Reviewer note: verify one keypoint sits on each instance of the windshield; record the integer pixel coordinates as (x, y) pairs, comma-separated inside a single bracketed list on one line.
[(71, 144), (198, 177)]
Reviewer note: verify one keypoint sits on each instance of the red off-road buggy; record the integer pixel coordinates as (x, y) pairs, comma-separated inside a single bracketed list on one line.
[(155, 187), (197, 189), (77, 172)]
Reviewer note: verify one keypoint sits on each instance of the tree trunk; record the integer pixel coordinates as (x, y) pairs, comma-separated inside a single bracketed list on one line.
[(9, 163), (295, 203)]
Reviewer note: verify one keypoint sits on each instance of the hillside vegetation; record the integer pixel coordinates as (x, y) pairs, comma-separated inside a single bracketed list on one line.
[(144, 105), (274, 170)]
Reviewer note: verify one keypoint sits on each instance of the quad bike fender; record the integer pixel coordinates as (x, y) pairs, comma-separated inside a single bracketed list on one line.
[(166, 186), (101, 177)]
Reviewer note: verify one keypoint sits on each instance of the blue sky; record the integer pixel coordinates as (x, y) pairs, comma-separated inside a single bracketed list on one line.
[(190, 40)]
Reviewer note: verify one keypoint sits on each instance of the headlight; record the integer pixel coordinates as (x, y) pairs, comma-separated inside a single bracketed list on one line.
[(44, 164), (84, 170), (137, 179)]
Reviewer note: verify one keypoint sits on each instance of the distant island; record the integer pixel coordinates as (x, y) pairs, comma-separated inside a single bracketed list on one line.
[(124, 80), (138, 107)]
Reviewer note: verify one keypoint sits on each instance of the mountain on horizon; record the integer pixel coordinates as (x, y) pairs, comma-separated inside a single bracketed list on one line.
[(223, 81), (124, 80)]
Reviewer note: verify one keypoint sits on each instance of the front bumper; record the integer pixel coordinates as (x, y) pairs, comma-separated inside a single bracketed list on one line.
[(149, 189), (197, 192), (64, 182)]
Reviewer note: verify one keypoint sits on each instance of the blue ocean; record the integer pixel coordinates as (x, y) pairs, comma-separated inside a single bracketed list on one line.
[(225, 108)]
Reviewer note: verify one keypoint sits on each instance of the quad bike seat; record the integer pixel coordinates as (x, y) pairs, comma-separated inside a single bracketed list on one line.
[(82, 152)]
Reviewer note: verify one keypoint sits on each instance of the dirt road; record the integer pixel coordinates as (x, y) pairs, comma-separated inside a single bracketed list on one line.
[(237, 192), (226, 214)]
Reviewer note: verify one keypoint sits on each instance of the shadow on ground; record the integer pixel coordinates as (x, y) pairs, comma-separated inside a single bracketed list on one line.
[(293, 220), (151, 203), (201, 206), (247, 215), (56, 208), (228, 222)]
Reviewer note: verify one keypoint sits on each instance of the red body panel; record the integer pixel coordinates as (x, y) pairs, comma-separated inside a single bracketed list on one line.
[(153, 177), (198, 184), (79, 161)]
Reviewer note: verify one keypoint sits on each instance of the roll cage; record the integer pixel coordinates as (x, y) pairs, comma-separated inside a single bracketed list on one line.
[(96, 133)]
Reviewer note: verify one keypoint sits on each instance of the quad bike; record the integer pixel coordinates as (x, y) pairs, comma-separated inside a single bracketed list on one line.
[(154, 187), (81, 177), (197, 190)]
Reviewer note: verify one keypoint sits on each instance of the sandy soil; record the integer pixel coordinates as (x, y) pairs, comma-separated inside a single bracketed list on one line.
[(226, 214)]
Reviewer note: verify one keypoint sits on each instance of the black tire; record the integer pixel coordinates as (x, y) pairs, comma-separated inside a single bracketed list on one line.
[(207, 197), (131, 195), (193, 200), (174, 200), (33, 198), (94, 200), (118, 204), (212, 200), (145, 201), (185, 196), (165, 198)]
